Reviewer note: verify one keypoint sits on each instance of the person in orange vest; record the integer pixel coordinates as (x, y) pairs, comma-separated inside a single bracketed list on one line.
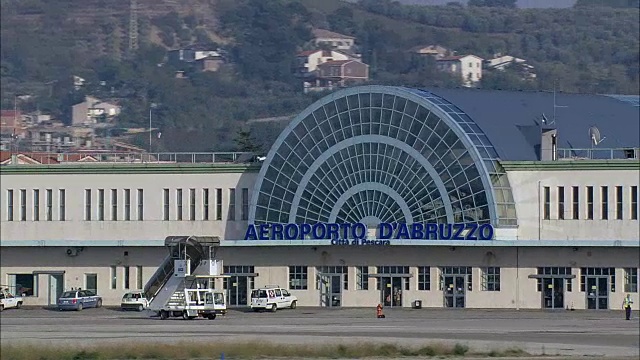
[(379, 311)]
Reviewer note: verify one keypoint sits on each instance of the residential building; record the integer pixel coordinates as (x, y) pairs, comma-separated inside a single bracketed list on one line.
[(10, 121), (435, 51), (209, 63), (333, 40), (308, 61), (92, 111), (338, 73), (194, 53), (502, 62), (467, 67)]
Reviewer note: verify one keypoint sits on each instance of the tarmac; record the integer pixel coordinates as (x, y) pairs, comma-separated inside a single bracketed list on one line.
[(566, 333)]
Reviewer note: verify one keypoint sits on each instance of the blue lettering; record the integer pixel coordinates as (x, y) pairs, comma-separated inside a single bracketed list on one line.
[(319, 235), (417, 231), (486, 232), (264, 231), (305, 229), (445, 235), (359, 231), (276, 232), (432, 232), (403, 231), (457, 235), (287, 232), (345, 230), (471, 235), (385, 231), (251, 233), (332, 230)]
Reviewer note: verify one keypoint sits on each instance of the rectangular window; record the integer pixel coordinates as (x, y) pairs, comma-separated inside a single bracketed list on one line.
[(179, 204), (166, 205), (192, 204), (48, 200), (631, 279), (547, 203), (127, 204), (619, 203), (604, 193), (205, 204), (91, 282), (10, 205), (218, 204), (87, 204), (62, 200), (36, 205), (23, 205), (232, 205), (597, 271), (298, 276), (634, 203), (114, 204), (589, 202), (491, 279), (424, 278), (114, 277), (245, 204), (362, 278), (125, 279), (100, 204), (139, 283), (25, 284), (561, 202), (140, 204), (576, 203)]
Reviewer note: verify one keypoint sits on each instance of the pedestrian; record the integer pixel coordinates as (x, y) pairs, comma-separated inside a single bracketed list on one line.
[(626, 305)]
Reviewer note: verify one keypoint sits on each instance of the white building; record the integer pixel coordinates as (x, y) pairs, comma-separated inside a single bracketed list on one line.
[(334, 40), (467, 67), (308, 61), (502, 62), (553, 228), (92, 110)]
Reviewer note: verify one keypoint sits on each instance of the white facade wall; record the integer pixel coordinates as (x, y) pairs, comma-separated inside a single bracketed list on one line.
[(317, 58)]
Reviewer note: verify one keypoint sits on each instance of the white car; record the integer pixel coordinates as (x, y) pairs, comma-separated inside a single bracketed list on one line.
[(135, 300), (7, 300), (272, 298)]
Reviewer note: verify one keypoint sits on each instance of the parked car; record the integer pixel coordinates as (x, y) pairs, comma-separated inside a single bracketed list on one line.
[(272, 298), (135, 300), (7, 300), (78, 300)]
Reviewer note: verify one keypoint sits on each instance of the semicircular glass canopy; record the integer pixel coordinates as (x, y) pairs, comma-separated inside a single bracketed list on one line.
[(378, 154)]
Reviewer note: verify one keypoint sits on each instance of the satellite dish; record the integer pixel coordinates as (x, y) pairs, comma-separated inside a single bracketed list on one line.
[(594, 134)]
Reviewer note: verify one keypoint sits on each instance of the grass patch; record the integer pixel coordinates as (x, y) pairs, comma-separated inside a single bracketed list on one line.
[(252, 350)]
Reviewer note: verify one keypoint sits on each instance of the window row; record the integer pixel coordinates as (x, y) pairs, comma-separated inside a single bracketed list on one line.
[(576, 203), (126, 204)]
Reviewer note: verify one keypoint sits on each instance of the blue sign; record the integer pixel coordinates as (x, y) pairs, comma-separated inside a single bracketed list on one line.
[(358, 231)]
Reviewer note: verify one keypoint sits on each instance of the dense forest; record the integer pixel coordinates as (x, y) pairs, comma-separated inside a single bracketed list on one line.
[(590, 48)]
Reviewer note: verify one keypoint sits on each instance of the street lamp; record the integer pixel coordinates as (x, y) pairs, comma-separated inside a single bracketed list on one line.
[(152, 106)]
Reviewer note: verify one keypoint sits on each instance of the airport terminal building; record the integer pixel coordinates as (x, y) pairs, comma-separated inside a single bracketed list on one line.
[(373, 194)]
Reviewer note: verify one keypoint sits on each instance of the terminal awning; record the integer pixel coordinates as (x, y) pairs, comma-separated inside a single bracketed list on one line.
[(549, 276), (390, 275)]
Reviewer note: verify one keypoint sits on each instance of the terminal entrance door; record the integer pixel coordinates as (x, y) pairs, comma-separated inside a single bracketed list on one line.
[(56, 287), (553, 293), (597, 292), (239, 284), (455, 282), (330, 281), (391, 291), (454, 291), (330, 290)]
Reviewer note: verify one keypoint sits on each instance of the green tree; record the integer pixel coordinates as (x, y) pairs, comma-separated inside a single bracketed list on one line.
[(246, 142)]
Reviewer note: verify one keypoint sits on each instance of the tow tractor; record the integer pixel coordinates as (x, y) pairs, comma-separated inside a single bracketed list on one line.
[(184, 284)]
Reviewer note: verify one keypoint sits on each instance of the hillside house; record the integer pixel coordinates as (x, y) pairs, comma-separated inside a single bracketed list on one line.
[(338, 73), (467, 67), (191, 54), (502, 62), (308, 61), (209, 63), (333, 40), (11, 122), (92, 111), (435, 51)]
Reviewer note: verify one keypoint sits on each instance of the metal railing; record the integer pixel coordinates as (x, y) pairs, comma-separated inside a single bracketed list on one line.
[(110, 157), (599, 154)]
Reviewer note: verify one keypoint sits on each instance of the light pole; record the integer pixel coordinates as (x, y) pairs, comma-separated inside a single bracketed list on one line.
[(152, 106)]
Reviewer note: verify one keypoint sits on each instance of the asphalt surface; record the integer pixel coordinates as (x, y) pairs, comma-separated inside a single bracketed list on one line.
[(570, 333)]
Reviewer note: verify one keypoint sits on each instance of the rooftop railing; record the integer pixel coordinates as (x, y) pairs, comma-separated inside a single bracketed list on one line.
[(93, 157), (598, 154)]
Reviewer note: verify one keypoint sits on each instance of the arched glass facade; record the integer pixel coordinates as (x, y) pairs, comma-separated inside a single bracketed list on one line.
[(382, 154)]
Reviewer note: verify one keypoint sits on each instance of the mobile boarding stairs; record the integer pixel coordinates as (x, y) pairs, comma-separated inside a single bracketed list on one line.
[(183, 285)]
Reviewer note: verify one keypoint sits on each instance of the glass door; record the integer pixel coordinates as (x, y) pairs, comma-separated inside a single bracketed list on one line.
[(56, 287), (454, 291), (597, 291), (553, 293), (238, 289)]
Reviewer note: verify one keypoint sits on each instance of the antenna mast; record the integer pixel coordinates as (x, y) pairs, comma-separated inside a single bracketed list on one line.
[(133, 26), (555, 105)]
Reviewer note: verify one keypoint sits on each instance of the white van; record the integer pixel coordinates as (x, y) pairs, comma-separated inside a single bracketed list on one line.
[(135, 300), (272, 298)]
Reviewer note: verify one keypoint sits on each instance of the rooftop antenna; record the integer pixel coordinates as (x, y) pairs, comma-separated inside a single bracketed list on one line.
[(545, 121), (555, 105), (596, 139)]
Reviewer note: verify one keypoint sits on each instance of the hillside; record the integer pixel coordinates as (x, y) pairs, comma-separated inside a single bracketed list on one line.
[(575, 49)]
